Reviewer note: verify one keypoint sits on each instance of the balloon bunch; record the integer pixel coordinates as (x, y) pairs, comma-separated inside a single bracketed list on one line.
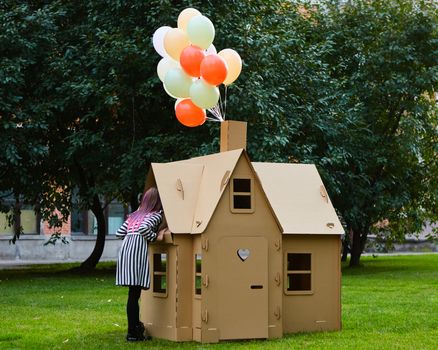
[(191, 69)]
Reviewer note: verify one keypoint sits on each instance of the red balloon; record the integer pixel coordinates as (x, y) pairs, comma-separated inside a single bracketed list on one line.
[(189, 114), (214, 69), (190, 60)]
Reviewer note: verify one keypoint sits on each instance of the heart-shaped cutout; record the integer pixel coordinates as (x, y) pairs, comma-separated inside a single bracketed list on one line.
[(243, 253)]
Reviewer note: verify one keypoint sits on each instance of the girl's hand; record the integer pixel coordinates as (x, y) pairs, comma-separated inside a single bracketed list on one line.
[(161, 233)]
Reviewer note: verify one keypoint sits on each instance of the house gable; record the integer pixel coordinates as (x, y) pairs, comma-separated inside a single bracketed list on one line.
[(259, 218), (178, 184), (190, 189)]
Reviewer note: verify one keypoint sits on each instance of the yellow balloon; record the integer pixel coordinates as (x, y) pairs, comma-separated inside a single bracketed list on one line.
[(234, 63), (185, 16), (175, 41)]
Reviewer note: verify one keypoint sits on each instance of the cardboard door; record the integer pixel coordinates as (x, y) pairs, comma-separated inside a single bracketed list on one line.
[(243, 283)]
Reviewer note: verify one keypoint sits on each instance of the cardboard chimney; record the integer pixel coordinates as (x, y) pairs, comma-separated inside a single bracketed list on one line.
[(254, 250), (233, 135)]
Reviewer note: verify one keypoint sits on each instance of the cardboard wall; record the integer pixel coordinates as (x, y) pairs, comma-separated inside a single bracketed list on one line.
[(320, 310), (224, 317), (184, 286), (170, 316), (196, 304), (158, 312)]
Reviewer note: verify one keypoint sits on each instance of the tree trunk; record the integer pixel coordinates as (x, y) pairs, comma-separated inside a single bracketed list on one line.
[(16, 219), (95, 255), (357, 247), (134, 201), (345, 250), (346, 245)]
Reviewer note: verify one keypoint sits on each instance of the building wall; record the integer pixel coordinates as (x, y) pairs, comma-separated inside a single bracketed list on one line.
[(321, 309), (32, 248)]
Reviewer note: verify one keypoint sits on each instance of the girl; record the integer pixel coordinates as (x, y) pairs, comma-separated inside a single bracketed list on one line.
[(140, 228)]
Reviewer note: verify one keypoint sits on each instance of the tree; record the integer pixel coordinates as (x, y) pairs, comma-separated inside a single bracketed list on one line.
[(320, 84), (384, 60), (26, 35), (106, 99)]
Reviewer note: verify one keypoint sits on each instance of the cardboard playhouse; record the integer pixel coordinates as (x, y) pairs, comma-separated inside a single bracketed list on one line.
[(254, 250)]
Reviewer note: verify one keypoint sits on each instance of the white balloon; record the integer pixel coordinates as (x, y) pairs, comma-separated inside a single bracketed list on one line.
[(167, 92), (158, 40), (177, 83), (211, 50), (164, 66)]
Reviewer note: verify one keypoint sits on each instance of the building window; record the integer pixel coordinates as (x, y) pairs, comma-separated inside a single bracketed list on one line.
[(159, 282), (242, 198), (115, 214), (27, 221), (299, 273), (198, 274)]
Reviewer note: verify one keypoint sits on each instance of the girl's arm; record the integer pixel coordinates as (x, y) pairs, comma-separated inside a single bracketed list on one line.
[(121, 232), (148, 229)]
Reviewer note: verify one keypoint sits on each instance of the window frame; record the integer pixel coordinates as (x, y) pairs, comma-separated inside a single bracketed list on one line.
[(288, 272), (249, 194), (160, 273), (196, 275)]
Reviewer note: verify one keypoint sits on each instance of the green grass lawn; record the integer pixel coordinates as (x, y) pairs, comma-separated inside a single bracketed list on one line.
[(388, 303)]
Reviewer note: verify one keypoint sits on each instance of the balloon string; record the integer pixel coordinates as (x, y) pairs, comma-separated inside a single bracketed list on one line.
[(220, 106), (216, 112), (225, 101), (214, 120)]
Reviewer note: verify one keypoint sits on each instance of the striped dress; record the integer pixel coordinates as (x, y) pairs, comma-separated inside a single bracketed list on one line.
[(133, 263)]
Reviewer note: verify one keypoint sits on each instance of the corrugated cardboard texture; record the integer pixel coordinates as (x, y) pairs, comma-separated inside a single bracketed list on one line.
[(294, 192), (233, 135)]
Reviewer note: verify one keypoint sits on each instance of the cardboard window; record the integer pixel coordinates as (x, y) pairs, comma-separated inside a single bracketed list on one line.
[(242, 202), (160, 273), (198, 263), (160, 262), (242, 185), (298, 262), (160, 284), (298, 282), (198, 276), (242, 197), (299, 273)]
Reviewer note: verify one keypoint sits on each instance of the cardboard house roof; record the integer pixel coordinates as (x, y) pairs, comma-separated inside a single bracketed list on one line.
[(298, 197), (191, 189)]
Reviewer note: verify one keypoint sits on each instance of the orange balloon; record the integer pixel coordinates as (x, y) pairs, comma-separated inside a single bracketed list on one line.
[(214, 69), (189, 114), (190, 60)]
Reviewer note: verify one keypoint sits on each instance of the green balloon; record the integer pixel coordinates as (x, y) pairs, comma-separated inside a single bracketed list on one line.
[(204, 95), (200, 31), (177, 83)]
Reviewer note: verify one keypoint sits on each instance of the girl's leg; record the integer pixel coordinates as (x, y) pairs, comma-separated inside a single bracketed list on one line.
[(132, 308)]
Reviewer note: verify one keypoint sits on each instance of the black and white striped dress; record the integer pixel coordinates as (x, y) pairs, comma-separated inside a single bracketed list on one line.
[(133, 263)]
